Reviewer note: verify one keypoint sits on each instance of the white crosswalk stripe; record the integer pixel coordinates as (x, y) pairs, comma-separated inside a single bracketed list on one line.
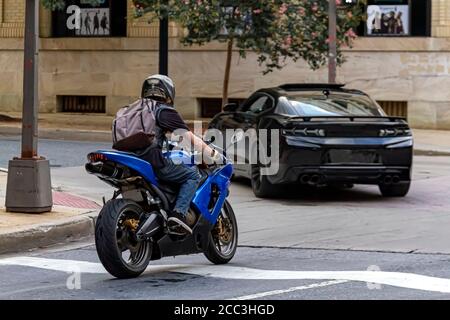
[(293, 289), (396, 279)]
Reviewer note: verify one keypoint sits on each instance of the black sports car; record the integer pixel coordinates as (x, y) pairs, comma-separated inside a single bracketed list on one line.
[(327, 135)]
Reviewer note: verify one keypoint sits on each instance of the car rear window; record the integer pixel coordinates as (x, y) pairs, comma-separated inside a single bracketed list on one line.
[(319, 104)]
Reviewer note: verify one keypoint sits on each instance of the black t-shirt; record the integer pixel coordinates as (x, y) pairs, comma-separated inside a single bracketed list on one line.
[(168, 120)]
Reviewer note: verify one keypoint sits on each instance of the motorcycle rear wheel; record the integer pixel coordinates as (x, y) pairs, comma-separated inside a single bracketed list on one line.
[(117, 247), (223, 237)]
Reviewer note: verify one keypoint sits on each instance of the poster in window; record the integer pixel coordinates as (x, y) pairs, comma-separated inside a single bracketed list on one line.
[(94, 22), (227, 14), (388, 20)]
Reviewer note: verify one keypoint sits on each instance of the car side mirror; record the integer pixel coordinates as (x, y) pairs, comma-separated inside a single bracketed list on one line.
[(230, 107)]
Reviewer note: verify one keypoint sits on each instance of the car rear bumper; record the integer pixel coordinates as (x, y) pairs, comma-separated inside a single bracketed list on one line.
[(342, 174), (358, 163)]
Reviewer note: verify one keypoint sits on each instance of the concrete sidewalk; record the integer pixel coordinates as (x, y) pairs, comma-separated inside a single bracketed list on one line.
[(432, 142), (72, 218)]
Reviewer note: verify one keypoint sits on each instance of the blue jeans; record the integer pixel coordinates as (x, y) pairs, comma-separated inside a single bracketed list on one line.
[(187, 177)]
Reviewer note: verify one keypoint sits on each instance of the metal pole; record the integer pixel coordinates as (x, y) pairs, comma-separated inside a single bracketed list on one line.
[(30, 82), (164, 44), (332, 41), (29, 188)]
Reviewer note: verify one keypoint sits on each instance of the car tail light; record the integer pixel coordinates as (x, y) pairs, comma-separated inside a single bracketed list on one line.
[(306, 132), (394, 132)]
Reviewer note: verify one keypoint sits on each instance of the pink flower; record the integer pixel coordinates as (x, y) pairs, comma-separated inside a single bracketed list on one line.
[(288, 41), (338, 2), (283, 8), (301, 11), (314, 7), (350, 33), (257, 11)]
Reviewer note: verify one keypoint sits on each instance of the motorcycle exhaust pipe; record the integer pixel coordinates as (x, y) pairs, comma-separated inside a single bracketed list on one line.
[(396, 179), (387, 180), (104, 170), (150, 227), (305, 179)]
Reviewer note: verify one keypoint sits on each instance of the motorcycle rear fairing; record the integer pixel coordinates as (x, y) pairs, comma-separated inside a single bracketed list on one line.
[(131, 161)]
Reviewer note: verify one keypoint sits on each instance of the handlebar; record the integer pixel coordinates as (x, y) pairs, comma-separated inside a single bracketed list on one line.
[(172, 145)]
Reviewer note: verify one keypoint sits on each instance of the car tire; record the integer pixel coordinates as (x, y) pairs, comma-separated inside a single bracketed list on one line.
[(395, 190), (261, 186)]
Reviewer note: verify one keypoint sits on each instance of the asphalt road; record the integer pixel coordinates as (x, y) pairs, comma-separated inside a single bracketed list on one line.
[(60, 153), (55, 280), (349, 233)]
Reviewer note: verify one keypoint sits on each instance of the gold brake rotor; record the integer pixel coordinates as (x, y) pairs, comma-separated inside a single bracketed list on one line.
[(131, 224), (224, 230)]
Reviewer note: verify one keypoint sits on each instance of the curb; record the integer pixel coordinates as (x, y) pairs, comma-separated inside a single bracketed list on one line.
[(49, 234), (432, 153)]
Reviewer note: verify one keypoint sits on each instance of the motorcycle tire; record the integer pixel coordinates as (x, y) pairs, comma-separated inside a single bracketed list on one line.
[(214, 251), (112, 240)]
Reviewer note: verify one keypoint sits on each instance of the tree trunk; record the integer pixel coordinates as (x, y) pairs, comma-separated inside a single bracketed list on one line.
[(226, 79)]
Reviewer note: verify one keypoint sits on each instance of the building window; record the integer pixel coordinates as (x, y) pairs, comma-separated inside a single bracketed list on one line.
[(398, 18), (82, 104), (212, 106), (107, 19)]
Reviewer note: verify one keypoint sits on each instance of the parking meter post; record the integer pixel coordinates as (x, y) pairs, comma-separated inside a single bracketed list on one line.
[(29, 184), (30, 81)]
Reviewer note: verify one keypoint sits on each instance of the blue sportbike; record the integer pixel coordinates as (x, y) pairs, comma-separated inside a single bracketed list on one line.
[(132, 230)]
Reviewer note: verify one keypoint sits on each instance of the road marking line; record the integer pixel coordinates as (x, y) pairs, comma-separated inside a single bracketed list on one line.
[(395, 279), (278, 292)]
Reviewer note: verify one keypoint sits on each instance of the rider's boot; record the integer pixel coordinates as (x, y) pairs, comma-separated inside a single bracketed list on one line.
[(178, 221)]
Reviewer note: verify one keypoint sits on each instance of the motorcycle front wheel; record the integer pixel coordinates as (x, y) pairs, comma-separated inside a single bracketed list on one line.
[(122, 255), (223, 237)]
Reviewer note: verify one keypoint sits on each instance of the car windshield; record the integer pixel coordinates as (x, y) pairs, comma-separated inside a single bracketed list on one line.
[(315, 104)]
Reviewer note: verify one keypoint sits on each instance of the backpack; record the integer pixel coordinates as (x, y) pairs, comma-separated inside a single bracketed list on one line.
[(134, 127)]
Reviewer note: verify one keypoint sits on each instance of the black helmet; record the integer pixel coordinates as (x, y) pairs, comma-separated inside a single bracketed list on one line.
[(160, 88)]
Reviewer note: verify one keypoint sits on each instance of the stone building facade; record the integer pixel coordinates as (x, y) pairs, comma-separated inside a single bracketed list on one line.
[(408, 75)]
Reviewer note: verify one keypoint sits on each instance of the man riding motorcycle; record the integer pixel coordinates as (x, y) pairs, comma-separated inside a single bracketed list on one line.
[(161, 89)]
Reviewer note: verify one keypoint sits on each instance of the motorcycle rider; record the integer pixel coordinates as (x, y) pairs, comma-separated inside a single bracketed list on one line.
[(161, 89)]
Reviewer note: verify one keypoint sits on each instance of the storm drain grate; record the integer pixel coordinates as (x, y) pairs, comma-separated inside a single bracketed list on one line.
[(395, 108), (83, 104)]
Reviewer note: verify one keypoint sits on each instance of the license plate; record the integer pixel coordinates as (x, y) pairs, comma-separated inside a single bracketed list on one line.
[(338, 156)]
